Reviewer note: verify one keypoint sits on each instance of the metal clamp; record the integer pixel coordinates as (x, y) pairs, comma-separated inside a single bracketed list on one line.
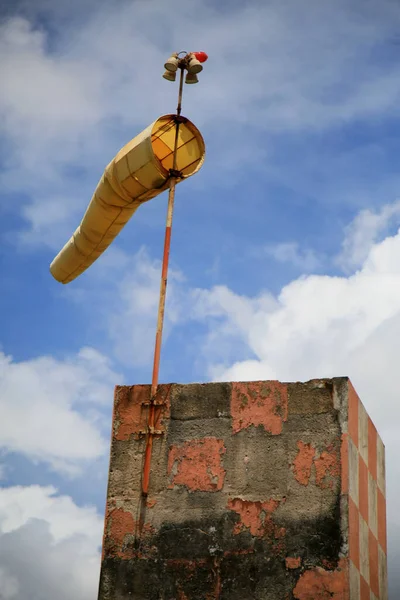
[(154, 431), (180, 119), (151, 431), (175, 173)]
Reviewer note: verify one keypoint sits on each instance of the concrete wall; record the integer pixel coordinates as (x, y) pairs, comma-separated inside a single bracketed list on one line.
[(258, 491)]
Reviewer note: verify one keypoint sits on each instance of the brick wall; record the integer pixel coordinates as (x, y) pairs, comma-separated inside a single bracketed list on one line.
[(261, 490)]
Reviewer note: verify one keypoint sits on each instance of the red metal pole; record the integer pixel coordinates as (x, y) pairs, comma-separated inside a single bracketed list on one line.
[(152, 421), (157, 349)]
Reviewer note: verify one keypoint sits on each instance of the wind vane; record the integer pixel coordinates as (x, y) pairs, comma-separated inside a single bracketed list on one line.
[(166, 152)]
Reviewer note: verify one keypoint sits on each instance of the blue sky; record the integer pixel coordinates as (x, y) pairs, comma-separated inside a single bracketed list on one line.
[(285, 250)]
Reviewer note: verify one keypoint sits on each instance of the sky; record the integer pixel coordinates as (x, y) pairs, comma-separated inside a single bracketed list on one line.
[(285, 258)]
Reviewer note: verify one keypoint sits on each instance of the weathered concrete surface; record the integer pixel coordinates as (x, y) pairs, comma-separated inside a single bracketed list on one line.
[(259, 491)]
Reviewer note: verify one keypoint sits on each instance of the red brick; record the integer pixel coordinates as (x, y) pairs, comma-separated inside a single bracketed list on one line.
[(373, 564), (363, 489), (372, 449), (344, 460), (364, 589), (353, 414), (354, 534), (382, 533)]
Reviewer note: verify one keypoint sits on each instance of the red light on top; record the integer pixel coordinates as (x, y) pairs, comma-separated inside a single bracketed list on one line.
[(201, 56)]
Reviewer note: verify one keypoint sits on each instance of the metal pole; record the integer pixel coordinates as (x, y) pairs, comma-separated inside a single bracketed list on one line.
[(179, 109), (161, 307)]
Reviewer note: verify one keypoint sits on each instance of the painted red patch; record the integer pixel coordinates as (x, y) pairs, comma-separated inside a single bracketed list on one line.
[(303, 462), (328, 564), (131, 410), (293, 562), (327, 468), (238, 552), (259, 403), (257, 517), (189, 564), (121, 523), (197, 465), (321, 584)]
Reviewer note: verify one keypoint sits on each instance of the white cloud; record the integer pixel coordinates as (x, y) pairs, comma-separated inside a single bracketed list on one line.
[(51, 408), (8, 584), (74, 92), (290, 252), (316, 322), (132, 324), (363, 232), (68, 102), (49, 546), (127, 307)]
